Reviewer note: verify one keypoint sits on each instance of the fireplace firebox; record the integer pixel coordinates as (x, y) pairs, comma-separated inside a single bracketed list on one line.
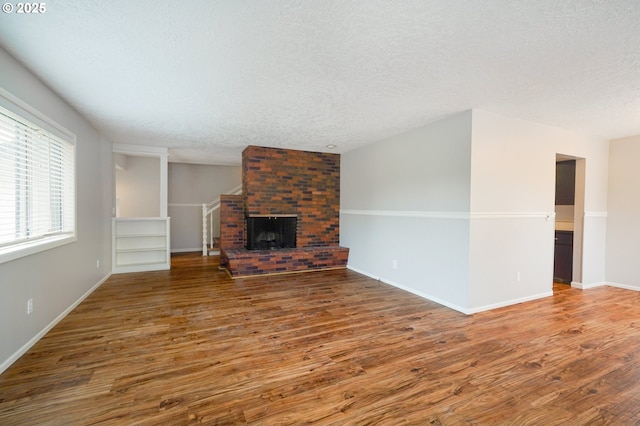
[(271, 232)]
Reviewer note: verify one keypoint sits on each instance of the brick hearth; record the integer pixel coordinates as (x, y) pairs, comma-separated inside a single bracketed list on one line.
[(244, 262)]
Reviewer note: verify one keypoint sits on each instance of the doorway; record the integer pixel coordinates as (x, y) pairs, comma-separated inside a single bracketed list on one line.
[(569, 209)]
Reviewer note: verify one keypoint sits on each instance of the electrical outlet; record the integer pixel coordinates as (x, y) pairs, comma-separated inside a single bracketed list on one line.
[(98, 263), (29, 306), (394, 263), (518, 276)]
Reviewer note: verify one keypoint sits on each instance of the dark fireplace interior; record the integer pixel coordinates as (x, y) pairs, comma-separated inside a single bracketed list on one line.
[(269, 233)]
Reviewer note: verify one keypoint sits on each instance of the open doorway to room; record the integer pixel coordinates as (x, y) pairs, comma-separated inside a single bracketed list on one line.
[(569, 209)]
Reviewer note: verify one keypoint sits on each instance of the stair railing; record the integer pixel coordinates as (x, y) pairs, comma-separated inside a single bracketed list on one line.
[(207, 219)]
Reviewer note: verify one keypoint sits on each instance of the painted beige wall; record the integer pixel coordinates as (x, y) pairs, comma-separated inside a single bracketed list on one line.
[(138, 186), (501, 185), (512, 192), (58, 278), (191, 185), (623, 226), (407, 199), (423, 170)]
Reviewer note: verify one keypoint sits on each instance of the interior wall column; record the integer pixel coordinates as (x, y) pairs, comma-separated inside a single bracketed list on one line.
[(164, 185)]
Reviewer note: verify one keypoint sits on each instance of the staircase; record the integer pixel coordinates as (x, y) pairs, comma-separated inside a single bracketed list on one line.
[(211, 244), (213, 248)]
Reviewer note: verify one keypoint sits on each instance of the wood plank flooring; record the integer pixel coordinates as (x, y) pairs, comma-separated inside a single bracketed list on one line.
[(191, 346)]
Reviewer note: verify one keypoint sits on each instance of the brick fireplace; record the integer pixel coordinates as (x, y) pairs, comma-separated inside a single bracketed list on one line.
[(284, 183)]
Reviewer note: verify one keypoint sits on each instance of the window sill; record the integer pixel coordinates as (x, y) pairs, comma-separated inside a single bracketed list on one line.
[(17, 251)]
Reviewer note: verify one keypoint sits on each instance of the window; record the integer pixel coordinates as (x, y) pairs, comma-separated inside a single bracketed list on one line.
[(37, 187)]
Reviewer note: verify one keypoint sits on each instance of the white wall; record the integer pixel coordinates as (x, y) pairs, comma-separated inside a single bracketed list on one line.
[(623, 221), (512, 192), (406, 199), (56, 279), (138, 186), (466, 206), (190, 186)]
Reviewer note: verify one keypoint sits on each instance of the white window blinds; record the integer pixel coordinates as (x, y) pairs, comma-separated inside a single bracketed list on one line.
[(37, 182)]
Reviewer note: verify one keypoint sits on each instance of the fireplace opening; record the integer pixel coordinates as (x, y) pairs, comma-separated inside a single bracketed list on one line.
[(270, 233)]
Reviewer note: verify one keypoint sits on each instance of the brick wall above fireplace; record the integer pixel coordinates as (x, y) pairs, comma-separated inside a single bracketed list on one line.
[(307, 184)]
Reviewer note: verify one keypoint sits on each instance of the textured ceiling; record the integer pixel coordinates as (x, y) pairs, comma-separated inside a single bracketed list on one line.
[(207, 78)]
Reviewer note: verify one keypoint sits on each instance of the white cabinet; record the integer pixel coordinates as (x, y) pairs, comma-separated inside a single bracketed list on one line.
[(141, 244)]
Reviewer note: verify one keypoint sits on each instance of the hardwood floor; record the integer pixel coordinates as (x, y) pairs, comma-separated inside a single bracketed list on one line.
[(191, 346)]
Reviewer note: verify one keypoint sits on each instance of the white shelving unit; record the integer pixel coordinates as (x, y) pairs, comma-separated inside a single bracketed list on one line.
[(140, 244)]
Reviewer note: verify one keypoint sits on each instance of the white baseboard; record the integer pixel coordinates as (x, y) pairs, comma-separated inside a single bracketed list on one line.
[(510, 302), (411, 290), (451, 305), (624, 286), (13, 358), (583, 286), (141, 268), (604, 283), (186, 250)]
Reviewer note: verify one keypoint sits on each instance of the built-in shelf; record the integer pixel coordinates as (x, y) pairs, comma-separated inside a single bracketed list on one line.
[(141, 244), (140, 235), (140, 250), (564, 225)]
